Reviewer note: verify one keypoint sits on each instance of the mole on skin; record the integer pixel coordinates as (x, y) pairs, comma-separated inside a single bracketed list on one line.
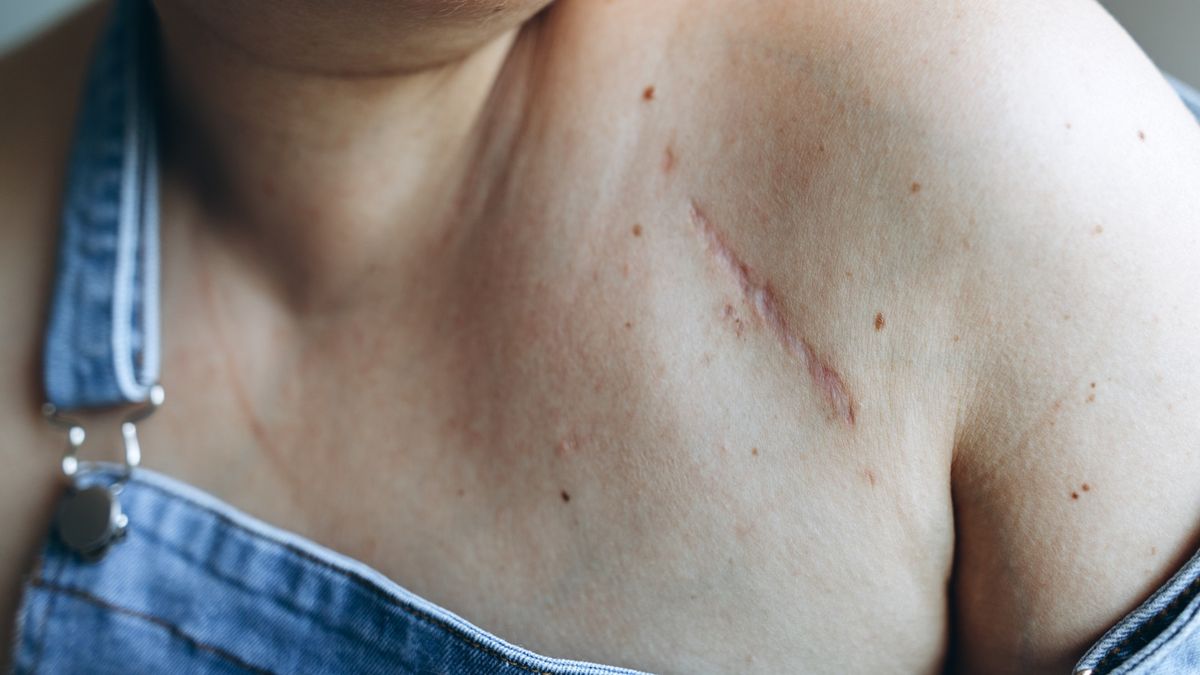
[(760, 295)]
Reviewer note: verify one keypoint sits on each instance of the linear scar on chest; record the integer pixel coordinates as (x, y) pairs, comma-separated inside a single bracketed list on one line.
[(758, 293)]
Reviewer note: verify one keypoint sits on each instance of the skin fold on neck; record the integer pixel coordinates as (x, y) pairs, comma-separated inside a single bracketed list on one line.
[(314, 175)]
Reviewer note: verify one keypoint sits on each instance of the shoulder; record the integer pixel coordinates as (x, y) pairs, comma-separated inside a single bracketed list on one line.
[(987, 101), (1019, 178), (972, 129), (1037, 183), (974, 97)]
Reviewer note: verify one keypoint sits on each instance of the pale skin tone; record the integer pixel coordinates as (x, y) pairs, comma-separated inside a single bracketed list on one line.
[(831, 337)]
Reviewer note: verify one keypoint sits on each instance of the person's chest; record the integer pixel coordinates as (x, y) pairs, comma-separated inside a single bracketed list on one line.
[(591, 441), (583, 434), (607, 426)]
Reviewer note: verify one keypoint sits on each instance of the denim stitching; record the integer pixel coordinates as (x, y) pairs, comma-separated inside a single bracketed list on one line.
[(174, 630), (1115, 655), (41, 629), (1137, 658), (361, 583), (280, 601)]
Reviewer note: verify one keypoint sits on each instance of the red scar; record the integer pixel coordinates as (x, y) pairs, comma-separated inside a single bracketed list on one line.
[(761, 296)]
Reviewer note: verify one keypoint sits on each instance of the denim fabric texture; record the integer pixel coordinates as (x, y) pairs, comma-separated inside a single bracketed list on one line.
[(1161, 636), (196, 586), (102, 338), (199, 587), (1190, 96)]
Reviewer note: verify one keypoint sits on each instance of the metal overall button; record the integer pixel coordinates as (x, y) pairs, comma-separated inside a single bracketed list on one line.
[(89, 518)]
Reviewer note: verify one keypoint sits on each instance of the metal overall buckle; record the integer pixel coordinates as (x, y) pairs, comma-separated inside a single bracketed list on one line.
[(89, 518)]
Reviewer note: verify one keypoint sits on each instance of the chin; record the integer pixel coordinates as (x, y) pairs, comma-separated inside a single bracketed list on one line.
[(351, 36)]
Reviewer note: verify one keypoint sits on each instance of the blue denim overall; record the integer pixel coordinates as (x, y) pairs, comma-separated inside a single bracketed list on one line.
[(194, 586)]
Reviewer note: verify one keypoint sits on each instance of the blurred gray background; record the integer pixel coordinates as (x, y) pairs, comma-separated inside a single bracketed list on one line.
[(1169, 30)]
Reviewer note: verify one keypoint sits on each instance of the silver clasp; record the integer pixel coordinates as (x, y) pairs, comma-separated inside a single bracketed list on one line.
[(90, 519), (72, 466)]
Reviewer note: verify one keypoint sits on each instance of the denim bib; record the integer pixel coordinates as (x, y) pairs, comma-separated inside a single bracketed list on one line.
[(192, 585)]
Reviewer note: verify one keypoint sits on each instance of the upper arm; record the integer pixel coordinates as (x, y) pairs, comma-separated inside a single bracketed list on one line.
[(1021, 168), (1076, 464)]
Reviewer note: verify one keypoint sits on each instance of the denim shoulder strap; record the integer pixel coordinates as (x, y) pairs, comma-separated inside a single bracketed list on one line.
[(102, 338), (1191, 97)]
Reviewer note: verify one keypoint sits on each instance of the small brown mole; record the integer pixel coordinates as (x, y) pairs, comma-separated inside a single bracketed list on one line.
[(565, 497), (915, 187), (1097, 231), (648, 93), (1074, 495), (879, 322), (1086, 487), (629, 324), (1091, 398), (637, 230), (754, 452), (1092, 385), (1141, 136)]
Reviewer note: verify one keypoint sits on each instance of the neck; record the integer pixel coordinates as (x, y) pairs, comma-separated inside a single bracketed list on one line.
[(320, 175)]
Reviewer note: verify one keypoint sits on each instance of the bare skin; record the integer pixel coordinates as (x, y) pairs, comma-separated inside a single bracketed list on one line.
[(823, 337)]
